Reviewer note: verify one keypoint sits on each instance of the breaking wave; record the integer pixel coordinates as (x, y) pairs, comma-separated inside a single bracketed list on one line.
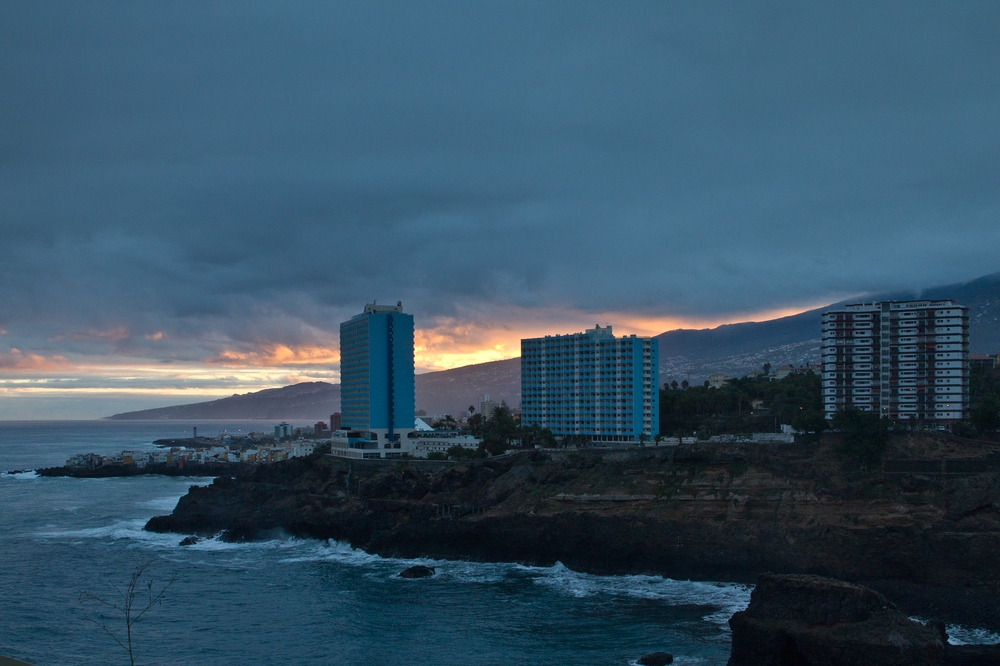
[(959, 635), (727, 597)]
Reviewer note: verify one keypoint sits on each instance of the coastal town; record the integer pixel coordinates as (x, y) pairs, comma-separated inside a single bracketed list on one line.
[(903, 362)]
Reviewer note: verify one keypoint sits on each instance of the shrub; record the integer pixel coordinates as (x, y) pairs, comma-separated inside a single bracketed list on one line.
[(866, 436)]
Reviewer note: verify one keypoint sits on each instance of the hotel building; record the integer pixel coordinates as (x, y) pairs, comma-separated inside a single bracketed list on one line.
[(376, 383), (902, 360), (591, 384)]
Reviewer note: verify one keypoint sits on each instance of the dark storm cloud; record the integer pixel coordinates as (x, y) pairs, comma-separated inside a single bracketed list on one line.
[(257, 171)]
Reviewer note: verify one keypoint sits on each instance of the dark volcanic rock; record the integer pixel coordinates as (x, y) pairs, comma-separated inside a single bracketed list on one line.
[(705, 522), (418, 571), (796, 620), (971, 655), (189, 541), (656, 659)]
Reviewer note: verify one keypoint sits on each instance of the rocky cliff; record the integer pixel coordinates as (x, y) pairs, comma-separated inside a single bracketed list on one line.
[(715, 512)]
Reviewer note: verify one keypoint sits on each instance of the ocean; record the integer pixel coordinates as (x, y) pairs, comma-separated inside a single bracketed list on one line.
[(298, 601)]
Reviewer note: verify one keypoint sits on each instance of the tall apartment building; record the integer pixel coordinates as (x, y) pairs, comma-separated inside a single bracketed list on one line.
[(591, 384), (900, 359), (376, 377)]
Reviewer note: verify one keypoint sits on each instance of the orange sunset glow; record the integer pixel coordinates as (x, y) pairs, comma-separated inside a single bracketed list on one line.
[(440, 344)]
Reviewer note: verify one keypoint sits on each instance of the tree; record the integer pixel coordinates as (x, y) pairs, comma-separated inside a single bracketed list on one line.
[(131, 604), (499, 430), (475, 424), (447, 423), (866, 436), (809, 420), (767, 369), (459, 452), (986, 417)]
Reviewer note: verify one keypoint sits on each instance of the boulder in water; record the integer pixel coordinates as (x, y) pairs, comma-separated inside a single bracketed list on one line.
[(189, 541), (656, 659), (797, 619), (418, 571)]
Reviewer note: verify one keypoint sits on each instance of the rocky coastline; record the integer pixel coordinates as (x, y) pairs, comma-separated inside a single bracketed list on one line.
[(707, 512), (162, 469), (800, 619)]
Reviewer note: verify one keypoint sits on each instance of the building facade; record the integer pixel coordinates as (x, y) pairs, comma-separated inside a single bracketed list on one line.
[(899, 359), (591, 384), (376, 377)]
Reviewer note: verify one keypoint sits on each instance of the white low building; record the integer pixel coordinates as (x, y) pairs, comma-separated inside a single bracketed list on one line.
[(442, 443), (359, 445)]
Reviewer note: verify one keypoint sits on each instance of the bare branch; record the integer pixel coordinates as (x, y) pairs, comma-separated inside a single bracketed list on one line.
[(128, 608)]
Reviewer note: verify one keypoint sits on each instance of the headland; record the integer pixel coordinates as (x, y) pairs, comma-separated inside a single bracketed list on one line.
[(924, 530)]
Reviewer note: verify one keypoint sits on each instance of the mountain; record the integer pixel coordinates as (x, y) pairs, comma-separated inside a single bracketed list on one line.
[(982, 297), (308, 401), (738, 348), (684, 354), (444, 392), (452, 391)]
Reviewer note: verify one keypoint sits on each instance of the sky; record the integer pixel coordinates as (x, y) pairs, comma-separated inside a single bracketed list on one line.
[(194, 195)]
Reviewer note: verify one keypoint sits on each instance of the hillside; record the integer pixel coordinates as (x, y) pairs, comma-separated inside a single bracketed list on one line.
[(684, 354), (982, 297), (737, 348), (309, 401), (444, 392), (452, 391)]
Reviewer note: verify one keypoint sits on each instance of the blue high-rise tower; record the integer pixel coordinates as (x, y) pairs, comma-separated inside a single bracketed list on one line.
[(376, 376)]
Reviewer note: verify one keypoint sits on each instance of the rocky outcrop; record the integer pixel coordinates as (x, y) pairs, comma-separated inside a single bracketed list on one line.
[(159, 469), (417, 571), (698, 512), (795, 620), (973, 494)]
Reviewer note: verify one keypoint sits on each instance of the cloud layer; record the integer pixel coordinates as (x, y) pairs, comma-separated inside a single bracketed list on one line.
[(217, 186)]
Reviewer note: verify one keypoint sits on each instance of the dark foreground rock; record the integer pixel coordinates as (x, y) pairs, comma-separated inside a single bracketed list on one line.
[(161, 469), (971, 655), (189, 541), (795, 620), (656, 659), (418, 571), (696, 512)]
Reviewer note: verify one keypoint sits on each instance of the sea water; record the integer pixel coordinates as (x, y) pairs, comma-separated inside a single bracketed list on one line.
[(297, 601)]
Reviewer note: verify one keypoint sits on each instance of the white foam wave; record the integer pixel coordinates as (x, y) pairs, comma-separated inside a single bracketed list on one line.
[(29, 474), (163, 503), (727, 597), (335, 551), (122, 529), (959, 635), (215, 543), (388, 567)]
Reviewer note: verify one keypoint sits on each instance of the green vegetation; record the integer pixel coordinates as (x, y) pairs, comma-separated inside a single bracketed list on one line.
[(461, 453), (866, 436), (729, 409), (984, 398), (500, 430)]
